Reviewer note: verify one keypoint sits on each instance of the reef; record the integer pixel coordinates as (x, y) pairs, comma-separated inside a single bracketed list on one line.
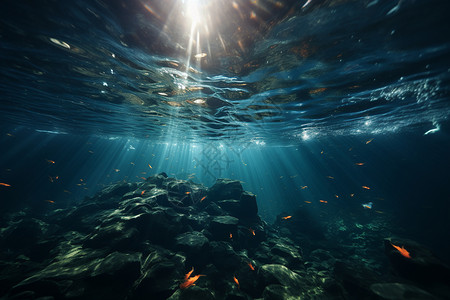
[(147, 240)]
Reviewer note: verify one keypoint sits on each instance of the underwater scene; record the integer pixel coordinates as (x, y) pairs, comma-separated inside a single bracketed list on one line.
[(224, 149)]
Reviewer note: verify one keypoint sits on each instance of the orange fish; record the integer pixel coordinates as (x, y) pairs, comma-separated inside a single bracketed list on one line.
[(203, 199), (402, 251), (188, 274), (369, 141), (150, 166), (142, 193), (359, 164), (304, 187), (190, 281), (252, 231), (236, 280), (143, 178), (323, 201), (287, 217), (4, 184), (251, 266), (50, 201), (366, 187), (231, 236), (337, 197), (50, 161), (309, 202)]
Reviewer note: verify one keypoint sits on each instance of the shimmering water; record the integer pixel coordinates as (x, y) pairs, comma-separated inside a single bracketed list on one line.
[(273, 72)]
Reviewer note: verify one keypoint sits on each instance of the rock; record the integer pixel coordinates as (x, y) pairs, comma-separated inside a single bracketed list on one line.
[(192, 293), (355, 280), (399, 291), (161, 275), (422, 268), (278, 274), (289, 253), (249, 207), (223, 256), (225, 189), (221, 227), (191, 242), (280, 292), (157, 180), (112, 192), (115, 236)]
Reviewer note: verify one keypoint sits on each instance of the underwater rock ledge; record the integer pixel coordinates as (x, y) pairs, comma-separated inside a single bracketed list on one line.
[(171, 239)]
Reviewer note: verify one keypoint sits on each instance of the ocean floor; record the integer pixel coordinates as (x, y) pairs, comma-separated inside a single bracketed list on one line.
[(165, 238)]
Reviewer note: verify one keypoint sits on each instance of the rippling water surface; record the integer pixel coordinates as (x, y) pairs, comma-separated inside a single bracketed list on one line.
[(268, 71)]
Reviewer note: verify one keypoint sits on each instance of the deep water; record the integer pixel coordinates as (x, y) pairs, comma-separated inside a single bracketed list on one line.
[(142, 138)]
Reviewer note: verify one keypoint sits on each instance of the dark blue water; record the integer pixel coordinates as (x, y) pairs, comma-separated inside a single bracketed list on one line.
[(341, 101)]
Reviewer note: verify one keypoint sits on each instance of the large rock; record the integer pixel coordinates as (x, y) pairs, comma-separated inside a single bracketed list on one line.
[(400, 291), (221, 227), (225, 189), (191, 242), (244, 207), (278, 274)]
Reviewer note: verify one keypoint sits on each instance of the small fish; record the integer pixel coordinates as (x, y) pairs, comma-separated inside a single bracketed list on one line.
[(379, 212), (203, 199), (367, 205), (321, 152), (330, 177), (9, 134), (236, 280), (369, 141), (251, 266), (252, 231), (359, 164), (351, 195), (132, 163), (4, 184), (50, 201), (143, 178), (304, 187), (190, 281), (402, 251), (309, 202), (150, 166), (287, 217), (337, 197), (187, 193), (366, 187), (323, 201), (188, 274), (90, 151), (50, 161), (231, 236), (117, 170), (68, 192), (142, 193)]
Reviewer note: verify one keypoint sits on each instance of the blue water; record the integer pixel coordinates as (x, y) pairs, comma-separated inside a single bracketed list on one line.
[(277, 95)]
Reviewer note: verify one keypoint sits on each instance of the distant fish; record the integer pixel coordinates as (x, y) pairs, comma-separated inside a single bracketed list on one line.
[(4, 184), (236, 280), (323, 201), (50, 201), (287, 217), (117, 170), (150, 166), (142, 193), (251, 266), (369, 141), (402, 251), (304, 187), (231, 236), (351, 195), (330, 177), (203, 198), (309, 202), (50, 161), (252, 231), (366, 187), (359, 164), (367, 205)]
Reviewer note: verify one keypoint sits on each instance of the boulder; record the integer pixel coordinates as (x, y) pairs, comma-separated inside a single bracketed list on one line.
[(399, 291), (191, 242), (221, 227), (225, 189)]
